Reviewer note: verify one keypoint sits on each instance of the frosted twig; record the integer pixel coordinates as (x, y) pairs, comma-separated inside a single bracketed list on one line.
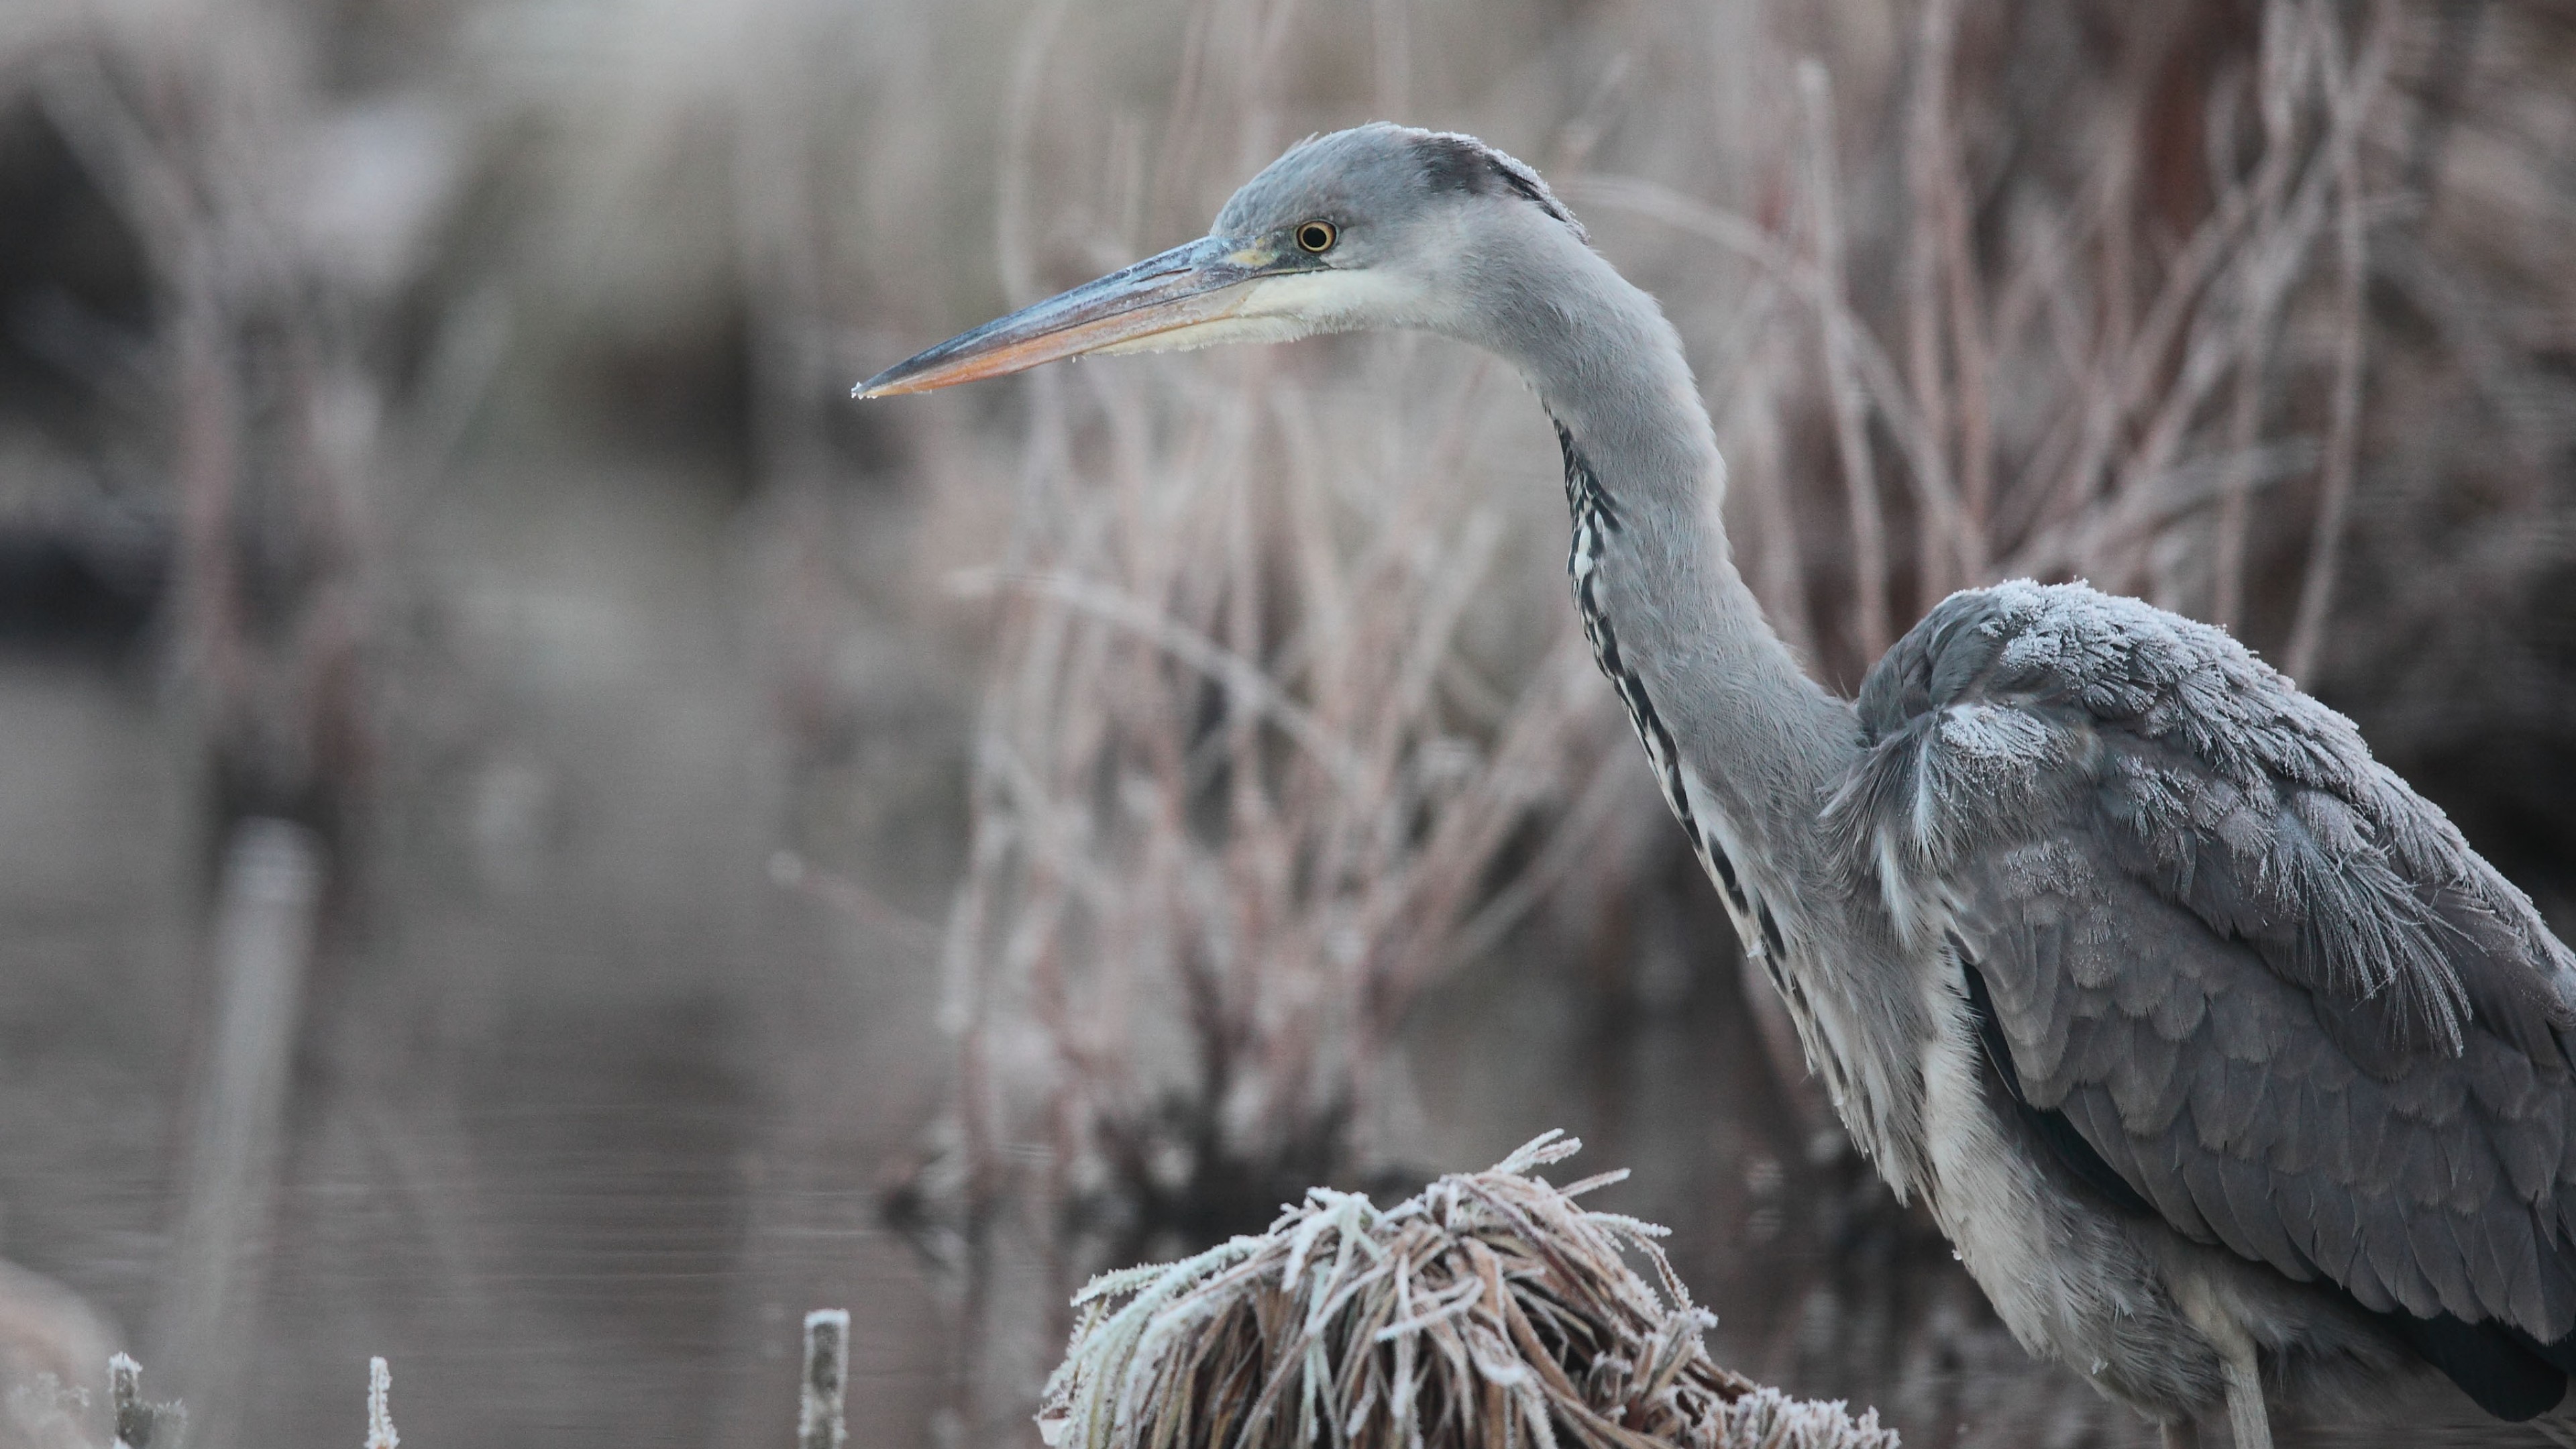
[(380, 1414), (819, 1422), (140, 1423)]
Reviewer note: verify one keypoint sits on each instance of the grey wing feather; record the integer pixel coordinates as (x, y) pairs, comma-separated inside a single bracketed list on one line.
[(2265, 980)]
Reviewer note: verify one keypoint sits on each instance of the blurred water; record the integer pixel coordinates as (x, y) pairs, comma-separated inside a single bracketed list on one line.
[(585, 1109)]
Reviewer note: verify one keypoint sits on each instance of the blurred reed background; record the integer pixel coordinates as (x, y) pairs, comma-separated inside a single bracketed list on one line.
[(709, 850)]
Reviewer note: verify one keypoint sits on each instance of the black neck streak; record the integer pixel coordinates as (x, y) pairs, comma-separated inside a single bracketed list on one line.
[(1596, 521)]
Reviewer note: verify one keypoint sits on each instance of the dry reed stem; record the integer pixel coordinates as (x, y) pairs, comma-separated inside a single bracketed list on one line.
[(1971, 355), (1851, 433), (2350, 102), (1490, 1311), (1930, 186), (2271, 176)]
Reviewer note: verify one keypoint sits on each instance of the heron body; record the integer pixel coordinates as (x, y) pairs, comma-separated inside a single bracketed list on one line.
[(2225, 1063)]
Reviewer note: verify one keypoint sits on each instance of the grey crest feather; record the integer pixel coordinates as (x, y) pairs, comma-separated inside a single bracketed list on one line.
[(1371, 168)]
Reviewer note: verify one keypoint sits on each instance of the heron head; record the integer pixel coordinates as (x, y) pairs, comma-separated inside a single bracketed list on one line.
[(1375, 227)]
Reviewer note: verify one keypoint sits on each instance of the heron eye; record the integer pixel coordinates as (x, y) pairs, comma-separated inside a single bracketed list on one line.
[(1317, 236)]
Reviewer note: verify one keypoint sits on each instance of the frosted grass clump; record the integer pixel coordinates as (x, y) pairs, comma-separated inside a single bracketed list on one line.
[(1489, 1312)]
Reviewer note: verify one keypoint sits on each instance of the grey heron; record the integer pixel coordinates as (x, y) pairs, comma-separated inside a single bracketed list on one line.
[(2225, 1063)]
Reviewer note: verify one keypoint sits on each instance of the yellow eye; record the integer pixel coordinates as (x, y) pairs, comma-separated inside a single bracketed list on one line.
[(1317, 236)]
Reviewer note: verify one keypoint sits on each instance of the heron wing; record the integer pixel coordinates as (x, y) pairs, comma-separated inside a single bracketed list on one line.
[(2266, 983)]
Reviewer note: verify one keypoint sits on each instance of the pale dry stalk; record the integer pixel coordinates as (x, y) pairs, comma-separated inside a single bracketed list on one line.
[(2276, 103), (1851, 427), (2349, 100), (1947, 550)]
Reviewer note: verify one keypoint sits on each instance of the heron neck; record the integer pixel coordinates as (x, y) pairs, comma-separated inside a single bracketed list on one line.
[(1745, 746), (1680, 634)]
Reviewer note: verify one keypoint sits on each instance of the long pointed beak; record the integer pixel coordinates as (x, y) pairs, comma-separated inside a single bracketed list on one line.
[(1193, 283)]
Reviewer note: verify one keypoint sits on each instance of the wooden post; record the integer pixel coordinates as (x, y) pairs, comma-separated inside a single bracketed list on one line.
[(262, 944)]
